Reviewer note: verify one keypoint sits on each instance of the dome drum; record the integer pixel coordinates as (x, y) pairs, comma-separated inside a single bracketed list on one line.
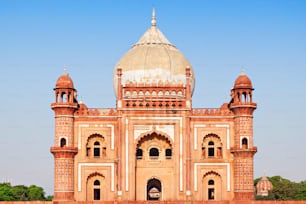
[(154, 92)]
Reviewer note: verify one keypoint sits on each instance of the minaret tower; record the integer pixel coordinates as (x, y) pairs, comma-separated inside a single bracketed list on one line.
[(63, 150), (243, 149)]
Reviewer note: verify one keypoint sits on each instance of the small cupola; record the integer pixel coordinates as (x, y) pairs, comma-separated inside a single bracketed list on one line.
[(263, 186), (65, 93), (242, 91), (64, 81), (243, 81)]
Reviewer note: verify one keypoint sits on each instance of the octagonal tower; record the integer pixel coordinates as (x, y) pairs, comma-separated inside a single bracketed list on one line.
[(63, 150)]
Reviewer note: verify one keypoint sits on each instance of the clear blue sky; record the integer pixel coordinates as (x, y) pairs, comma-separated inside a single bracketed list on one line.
[(38, 38)]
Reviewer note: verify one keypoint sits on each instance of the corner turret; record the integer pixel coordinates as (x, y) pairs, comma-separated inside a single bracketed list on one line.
[(63, 150), (242, 96), (242, 106)]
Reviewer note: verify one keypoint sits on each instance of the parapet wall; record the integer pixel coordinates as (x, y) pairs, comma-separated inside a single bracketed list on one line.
[(154, 202)]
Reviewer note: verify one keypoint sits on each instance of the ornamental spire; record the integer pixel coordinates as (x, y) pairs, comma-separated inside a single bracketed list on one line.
[(242, 71), (153, 21), (65, 70)]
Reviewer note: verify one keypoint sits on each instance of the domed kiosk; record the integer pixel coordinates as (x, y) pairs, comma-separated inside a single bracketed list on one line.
[(64, 81), (263, 186), (243, 81)]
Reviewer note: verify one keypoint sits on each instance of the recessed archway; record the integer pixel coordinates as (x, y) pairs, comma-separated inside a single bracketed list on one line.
[(154, 189), (95, 187), (212, 186)]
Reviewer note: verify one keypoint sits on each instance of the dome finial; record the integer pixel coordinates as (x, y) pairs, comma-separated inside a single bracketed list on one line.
[(153, 21), (242, 71), (264, 172), (65, 70)]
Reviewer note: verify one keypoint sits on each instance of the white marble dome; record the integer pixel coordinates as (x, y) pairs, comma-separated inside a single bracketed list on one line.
[(153, 59)]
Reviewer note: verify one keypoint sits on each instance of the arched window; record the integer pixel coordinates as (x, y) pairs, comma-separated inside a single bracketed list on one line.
[(244, 143), (63, 142), (64, 97), (96, 146), (97, 149), (211, 190), (154, 153), (211, 149), (96, 190), (97, 183), (168, 153), (211, 182), (139, 154)]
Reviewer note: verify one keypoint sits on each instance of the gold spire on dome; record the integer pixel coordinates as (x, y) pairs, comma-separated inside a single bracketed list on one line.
[(153, 35), (153, 21)]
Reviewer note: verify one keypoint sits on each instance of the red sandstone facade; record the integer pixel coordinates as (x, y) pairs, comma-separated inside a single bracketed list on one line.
[(155, 202), (154, 145)]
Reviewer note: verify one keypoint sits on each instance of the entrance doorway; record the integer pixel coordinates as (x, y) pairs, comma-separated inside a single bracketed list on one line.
[(154, 189), (211, 194)]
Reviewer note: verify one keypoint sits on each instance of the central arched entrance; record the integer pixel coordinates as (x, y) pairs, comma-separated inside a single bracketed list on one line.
[(154, 164), (154, 189)]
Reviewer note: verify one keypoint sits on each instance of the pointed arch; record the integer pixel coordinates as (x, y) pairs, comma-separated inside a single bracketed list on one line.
[(94, 187), (244, 143), (154, 189), (211, 173), (95, 174), (211, 135), (153, 145), (63, 142), (154, 133), (95, 135), (211, 146), (211, 186), (96, 146)]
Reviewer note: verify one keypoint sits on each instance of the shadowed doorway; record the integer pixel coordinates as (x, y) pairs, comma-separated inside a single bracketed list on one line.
[(154, 189)]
